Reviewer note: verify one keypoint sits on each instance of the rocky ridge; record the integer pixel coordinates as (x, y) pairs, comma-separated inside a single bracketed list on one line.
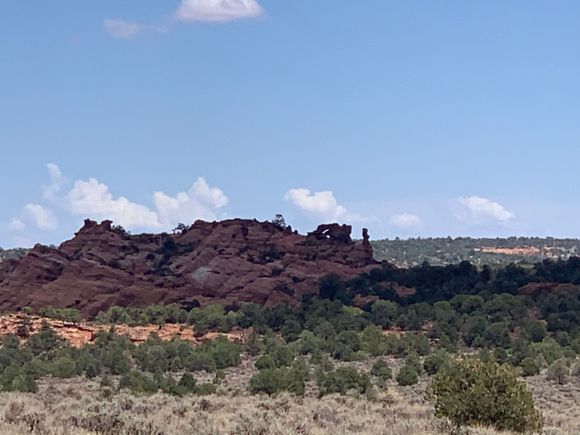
[(229, 261)]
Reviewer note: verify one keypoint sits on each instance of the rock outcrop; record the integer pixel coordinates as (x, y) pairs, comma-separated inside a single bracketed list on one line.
[(78, 335), (230, 261)]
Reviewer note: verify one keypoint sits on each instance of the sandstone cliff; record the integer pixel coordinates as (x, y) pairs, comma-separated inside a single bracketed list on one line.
[(230, 261)]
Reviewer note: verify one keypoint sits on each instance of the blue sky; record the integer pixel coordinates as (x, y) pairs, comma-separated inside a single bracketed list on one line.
[(411, 118)]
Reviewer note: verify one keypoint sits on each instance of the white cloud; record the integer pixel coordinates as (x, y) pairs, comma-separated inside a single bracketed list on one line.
[(404, 220), (43, 218), (16, 225), (51, 190), (322, 205), (200, 202), (93, 199), (479, 209), (217, 10), (122, 29)]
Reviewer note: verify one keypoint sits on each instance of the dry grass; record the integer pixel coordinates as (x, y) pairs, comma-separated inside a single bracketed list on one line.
[(80, 406)]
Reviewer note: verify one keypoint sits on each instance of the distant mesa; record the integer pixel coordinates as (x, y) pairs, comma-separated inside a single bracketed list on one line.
[(231, 261)]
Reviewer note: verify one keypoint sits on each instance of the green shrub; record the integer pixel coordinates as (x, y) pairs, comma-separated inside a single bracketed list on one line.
[(283, 356), (205, 389), (224, 353), (209, 318), (535, 330), (266, 381), (568, 352), (43, 341), (273, 380), (64, 367), (416, 343), (384, 313), (153, 357), (407, 375), (199, 361), (497, 334), (253, 346), (530, 367), (308, 343), (24, 384), (346, 345), (381, 370), (558, 372), (265, 362), (115, 361), (187, 381), (291, 330), (413, 360), (375, 343), (548, 348), (435, 362), (92, 370), (470, 392), (64, 314), (323, 361), (342, 380), (138, 382)]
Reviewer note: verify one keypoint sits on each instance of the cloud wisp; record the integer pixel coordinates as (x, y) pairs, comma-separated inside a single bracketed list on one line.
[(478, 209), (200, 202), (16, 225), (51, 190), (208, 11), (122, 29), (43, 218), (217, 10), (404, 220), (321, 205)]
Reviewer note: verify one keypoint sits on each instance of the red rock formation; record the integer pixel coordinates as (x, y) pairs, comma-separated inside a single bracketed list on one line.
[(230, 261), (80, 334)]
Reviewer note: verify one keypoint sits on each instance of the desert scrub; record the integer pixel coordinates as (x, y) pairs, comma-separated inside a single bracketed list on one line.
[(471, 392)]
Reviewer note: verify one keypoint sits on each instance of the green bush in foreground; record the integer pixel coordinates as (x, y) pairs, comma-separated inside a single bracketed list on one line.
[(472, 392)]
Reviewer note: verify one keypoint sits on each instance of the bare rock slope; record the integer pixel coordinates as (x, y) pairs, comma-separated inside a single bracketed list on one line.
[(230, 261)]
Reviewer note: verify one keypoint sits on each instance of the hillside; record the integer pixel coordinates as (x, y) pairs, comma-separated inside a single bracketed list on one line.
[(230, 261), (478, 251)]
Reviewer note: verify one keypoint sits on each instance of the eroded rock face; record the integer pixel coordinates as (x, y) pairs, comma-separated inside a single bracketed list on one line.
[(230, 261)]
